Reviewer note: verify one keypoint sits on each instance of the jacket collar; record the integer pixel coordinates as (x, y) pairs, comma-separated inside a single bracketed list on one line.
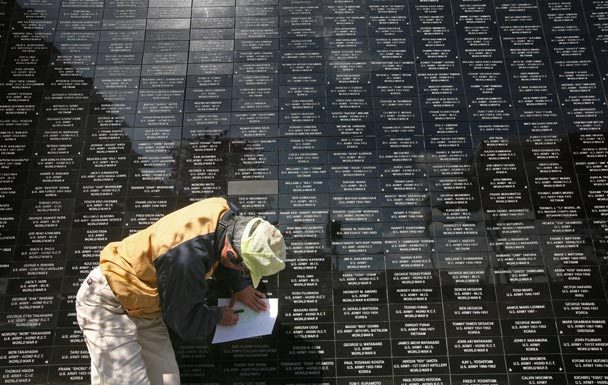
[(225, 221)]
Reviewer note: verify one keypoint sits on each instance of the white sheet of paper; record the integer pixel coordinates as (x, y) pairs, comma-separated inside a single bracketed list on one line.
[(251, 324)]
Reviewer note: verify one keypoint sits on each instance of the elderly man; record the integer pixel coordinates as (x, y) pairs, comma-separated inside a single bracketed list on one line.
[(157, 277)]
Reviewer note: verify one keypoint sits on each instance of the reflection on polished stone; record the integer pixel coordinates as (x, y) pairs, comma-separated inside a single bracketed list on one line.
[(438, 168)]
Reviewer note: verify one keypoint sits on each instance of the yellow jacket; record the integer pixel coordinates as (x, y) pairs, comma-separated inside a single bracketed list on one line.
[(169, 261)]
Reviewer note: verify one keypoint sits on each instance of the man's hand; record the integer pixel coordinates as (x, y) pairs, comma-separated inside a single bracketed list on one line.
[(251, 298), (229, 317)]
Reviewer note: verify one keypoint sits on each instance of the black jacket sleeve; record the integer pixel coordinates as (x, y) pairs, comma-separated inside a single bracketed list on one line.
[(182, 286)]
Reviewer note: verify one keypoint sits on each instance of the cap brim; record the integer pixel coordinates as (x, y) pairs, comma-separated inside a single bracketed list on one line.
[(255, 280)]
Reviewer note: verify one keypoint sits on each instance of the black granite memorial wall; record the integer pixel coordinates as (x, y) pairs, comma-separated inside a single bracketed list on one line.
[(439, 169)]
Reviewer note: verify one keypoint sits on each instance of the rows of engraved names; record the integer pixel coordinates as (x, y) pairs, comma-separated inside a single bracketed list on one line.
[(335, 118)]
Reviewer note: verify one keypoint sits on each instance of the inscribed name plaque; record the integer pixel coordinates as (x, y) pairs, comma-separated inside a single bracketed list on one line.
[(437, 168)]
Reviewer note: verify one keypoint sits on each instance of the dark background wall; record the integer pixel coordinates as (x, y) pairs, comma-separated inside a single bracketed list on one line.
[(438, 167)]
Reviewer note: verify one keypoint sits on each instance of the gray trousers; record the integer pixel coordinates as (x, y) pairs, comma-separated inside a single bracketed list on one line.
[(123, 349)]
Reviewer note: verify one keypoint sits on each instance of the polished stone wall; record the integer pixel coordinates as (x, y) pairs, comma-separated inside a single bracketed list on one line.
[(438, 167)]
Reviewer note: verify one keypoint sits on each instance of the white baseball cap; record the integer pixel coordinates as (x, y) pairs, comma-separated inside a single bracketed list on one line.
[(262, 249)]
